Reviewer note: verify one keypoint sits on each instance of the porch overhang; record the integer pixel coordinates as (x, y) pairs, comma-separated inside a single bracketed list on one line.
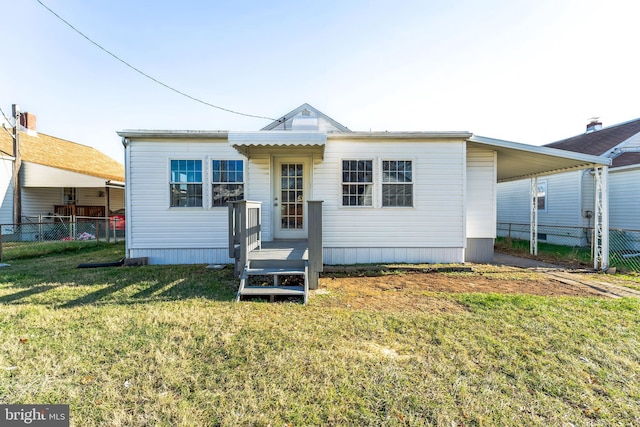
[(520, 161), (249, 142)]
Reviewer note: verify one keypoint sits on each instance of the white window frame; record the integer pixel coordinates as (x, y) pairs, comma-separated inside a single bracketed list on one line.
[(201, 182), (543, 192), (372, 183), (412, 183), (212, 182)]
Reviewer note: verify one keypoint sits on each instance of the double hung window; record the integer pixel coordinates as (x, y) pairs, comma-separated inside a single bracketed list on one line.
[(228, 181), (392, 185), (357, 183), (397, 183), (186, 183)]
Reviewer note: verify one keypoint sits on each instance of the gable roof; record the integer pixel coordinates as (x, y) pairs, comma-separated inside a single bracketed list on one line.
[(281, 124), (603, 142), (59, 153)]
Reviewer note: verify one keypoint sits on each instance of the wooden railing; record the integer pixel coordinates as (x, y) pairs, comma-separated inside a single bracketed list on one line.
[(80, 210), (244, 231)]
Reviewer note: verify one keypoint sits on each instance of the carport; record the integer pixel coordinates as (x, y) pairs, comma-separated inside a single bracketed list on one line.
[(517, 161)]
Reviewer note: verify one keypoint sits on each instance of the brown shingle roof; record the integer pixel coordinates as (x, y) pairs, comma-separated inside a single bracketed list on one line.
[(599, 142), (62, 154), (626, 159)]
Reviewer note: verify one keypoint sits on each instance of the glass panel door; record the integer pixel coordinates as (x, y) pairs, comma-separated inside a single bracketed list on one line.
[(292, 196), (290, 200)]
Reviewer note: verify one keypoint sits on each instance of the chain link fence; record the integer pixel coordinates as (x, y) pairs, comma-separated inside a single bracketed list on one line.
[(624, 245), (44, 234)]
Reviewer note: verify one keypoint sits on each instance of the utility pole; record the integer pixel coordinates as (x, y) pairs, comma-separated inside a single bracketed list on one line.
[(17, 164)]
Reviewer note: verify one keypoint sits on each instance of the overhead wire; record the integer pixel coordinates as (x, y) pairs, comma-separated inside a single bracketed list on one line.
[(5, 116), (8, 122), (193, 98)]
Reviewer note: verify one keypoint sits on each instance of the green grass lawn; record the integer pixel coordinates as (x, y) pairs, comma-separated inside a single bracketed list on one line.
[(167, 346)]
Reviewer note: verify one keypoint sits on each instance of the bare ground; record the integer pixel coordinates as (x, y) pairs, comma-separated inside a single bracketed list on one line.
[(411, 290)]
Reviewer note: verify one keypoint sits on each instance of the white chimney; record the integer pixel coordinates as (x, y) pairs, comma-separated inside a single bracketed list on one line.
[(594, 125)]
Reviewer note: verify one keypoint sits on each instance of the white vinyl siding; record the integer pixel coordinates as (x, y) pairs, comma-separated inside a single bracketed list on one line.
[(624, 199), (481, 193), (436, 221), (563, 200), (116, 198), (40, 201), (152, 223), (6, 191), (433, 230)]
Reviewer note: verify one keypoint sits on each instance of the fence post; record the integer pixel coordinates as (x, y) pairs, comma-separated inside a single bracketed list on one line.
[(509, 236), (0, 243)]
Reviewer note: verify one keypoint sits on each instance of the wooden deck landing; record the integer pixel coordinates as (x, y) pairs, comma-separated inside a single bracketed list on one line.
[(281, 250)]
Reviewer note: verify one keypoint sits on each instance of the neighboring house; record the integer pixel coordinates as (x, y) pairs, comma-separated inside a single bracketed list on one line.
[(57, 177), (392, 197), (566, 203)]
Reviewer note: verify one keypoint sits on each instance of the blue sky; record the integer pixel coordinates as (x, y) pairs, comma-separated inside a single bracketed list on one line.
[(525, 71)]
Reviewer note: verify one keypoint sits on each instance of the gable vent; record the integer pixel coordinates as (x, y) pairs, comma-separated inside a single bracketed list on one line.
[(304, 121)]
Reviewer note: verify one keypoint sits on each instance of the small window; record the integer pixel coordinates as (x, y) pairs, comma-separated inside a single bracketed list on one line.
[(70, 197), (542, 196), (186, 183), (357, 182), (397, 183), (228, 181)]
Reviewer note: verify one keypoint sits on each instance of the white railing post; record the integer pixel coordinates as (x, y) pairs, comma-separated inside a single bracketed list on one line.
[(601, 219), (533, 218)]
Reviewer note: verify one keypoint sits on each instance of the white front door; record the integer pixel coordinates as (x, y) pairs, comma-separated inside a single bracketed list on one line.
[(291, 181)]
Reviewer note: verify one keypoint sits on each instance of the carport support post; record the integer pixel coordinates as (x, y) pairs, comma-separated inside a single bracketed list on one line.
[(601, 217), (533, 217)]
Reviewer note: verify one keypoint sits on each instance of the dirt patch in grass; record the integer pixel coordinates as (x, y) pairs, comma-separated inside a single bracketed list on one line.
[(415, 291)]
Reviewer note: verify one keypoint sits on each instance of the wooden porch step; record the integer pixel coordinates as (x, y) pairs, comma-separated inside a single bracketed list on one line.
[(273, 290), (275, 271)]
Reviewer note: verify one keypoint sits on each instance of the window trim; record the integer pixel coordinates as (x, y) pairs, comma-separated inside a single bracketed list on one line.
[(543, 184), (211, 159), (171, 182), (377, 183), (412, 183), (341, 182)]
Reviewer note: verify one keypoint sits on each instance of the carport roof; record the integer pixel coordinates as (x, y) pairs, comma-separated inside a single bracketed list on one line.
[(520, 161)]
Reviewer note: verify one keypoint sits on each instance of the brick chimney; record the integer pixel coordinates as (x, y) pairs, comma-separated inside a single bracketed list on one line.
[(594, 125), (28, 121)]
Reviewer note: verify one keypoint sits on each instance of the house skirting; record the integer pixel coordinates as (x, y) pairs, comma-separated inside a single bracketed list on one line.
[(479, 250), (332, 256)]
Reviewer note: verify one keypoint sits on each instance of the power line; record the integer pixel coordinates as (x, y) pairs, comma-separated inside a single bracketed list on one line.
[(5, 116), (8, 122), (193, 98)]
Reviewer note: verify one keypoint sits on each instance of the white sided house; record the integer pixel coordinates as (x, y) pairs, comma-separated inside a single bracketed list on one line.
[(567, 202), (332, 195), (56, 177)]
